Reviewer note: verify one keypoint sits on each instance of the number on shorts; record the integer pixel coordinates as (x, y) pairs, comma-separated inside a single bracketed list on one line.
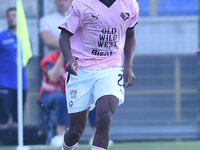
[(120, 78)]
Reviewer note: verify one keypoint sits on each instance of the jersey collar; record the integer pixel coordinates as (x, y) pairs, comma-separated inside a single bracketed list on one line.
[(107, 4)]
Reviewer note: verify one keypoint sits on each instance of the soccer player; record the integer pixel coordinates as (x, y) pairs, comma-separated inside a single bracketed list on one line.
[(98, 43)]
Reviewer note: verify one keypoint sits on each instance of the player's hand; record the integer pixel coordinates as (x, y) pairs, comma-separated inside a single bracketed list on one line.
[(197, 52), (72, 66), (129, 77)]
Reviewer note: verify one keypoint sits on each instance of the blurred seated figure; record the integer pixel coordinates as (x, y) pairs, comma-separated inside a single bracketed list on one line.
[(52, 92)]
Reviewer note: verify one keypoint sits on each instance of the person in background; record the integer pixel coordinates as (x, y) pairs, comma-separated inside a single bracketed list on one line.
[(49, 31), (99, 51), (8, 72), (52, 92)]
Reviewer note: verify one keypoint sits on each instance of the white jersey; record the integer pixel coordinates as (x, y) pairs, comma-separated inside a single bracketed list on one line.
[(99, 31), (51, 23)]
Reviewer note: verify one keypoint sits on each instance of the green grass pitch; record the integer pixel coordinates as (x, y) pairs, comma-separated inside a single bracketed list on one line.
[(151, 145)]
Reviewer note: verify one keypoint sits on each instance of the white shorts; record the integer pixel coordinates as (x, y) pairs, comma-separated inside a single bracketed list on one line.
[(84, 90)]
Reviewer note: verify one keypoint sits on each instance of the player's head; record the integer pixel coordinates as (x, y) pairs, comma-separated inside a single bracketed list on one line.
[(63, 5), (11, 17)]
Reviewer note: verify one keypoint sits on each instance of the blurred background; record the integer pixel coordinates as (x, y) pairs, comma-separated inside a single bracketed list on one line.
[(164, 102)]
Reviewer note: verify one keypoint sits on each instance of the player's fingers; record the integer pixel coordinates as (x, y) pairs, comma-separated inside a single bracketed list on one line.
[(71, 70), (129, 82), (133, 80), (76, 64), (125, 85)]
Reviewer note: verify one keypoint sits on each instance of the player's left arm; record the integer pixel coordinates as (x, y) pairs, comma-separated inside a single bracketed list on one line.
[(129, 49)]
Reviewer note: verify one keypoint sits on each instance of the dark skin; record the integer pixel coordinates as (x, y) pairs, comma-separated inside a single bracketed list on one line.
[(129, 48), (106, 105)]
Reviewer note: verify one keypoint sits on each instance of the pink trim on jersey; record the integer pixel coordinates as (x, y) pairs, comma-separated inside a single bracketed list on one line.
[(99, 31)]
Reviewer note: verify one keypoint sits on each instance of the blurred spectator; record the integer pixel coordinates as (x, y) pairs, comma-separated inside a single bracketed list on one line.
[(8, 72), (49, 31), (52, 92)]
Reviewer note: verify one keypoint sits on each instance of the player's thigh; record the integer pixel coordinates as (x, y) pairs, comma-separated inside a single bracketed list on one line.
[(77, 121), (107, 104)]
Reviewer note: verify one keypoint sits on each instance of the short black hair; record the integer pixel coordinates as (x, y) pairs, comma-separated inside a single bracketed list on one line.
[(10, 9)]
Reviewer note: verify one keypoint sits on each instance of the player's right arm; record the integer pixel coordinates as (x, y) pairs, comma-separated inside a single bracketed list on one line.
[(65, 47)]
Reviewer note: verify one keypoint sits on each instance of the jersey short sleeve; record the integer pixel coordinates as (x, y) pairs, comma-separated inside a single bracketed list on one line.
[(134, 8), (73, 18)]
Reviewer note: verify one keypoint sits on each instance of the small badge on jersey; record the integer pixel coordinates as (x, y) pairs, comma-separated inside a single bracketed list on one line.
[(73, 93), (124, 16)]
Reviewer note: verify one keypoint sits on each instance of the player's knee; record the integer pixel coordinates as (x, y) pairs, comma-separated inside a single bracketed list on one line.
[(103, 121), (76, 133)]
